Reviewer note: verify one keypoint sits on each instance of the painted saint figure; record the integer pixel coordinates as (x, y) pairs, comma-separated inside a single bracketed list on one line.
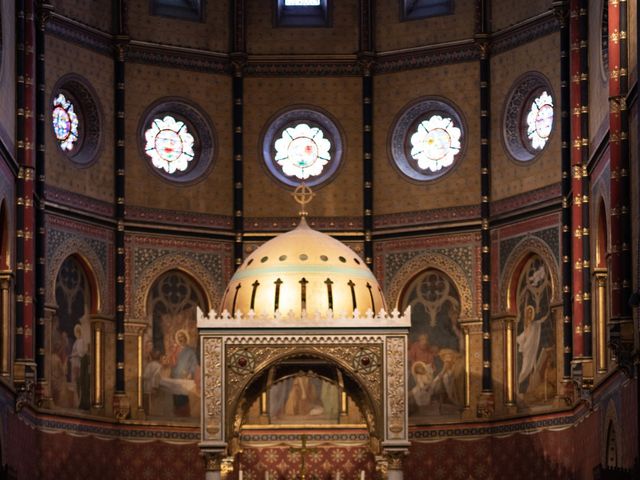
[(184, 366)]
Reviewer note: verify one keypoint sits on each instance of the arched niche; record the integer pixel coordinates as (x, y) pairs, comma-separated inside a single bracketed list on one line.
[(170, 352), (513, 267), (437, 381), (92, 265), (71, 335), (173, 261), (601, 237), (421, 263)]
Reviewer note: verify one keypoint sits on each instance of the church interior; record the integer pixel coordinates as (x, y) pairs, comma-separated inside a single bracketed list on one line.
[(319, 239)]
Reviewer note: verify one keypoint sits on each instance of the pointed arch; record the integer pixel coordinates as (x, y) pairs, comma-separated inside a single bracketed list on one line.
[(520, 254), (449, 267), (5, 251), (174, 261), (91, 264)]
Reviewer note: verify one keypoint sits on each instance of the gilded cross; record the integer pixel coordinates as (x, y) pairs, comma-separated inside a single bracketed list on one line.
[(304, 451), (303, 195)]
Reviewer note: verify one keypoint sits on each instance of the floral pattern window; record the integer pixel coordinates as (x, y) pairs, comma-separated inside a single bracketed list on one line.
[(302, 145), (302, 151), (435, 143), (540, 120), (427, 140), (169, 144), (65, 122), (528, 117)]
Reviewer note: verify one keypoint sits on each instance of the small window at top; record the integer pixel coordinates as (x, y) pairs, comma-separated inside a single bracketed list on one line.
[(416, 9), (302, 13), (181, 9)]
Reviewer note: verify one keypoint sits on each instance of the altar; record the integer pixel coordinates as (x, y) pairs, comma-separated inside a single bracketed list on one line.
[(304, 349)]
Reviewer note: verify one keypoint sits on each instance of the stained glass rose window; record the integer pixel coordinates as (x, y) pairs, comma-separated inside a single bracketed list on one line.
[(540, 120), (302, 151), (65, 122), (528, 117), (169, 144), (427, 139), (435, 143), (302, 144), (177, 140)]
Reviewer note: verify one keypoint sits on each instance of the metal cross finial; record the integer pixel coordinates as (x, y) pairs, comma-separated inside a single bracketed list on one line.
[(303, 195)]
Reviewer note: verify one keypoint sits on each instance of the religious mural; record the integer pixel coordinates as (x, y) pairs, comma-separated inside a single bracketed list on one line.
[(304, 398), (436, 347), (71, 338), (535, 335), (171, 376)]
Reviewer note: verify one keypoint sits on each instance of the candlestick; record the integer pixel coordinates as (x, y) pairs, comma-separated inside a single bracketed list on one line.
[(240, 475), (361, 475)]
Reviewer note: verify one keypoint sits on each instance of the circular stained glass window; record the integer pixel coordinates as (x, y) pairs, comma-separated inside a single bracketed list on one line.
[(540, 121), (427, 139), (302, 144), (177, 141), (65, 122), (76, 120), (528, 117), (435, 143), (169, 144), (302, 151)]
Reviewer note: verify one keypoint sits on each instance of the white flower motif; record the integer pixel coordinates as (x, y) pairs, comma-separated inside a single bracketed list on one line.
[(65, 122), (435, 143), (302, 151), (540, 120), (169, 144)]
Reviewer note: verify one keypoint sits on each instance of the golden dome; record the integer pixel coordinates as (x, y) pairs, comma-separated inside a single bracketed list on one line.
[(303, 270)]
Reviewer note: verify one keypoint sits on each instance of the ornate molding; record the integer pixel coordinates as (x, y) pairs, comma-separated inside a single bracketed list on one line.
[(170, 261), (78, 33), (396, 391), (213, 411), (440, 262), (431, 56), (180, 57), (526, 247), (524, 32)]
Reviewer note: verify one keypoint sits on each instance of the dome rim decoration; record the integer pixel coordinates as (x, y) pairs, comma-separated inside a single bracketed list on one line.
[(303, 274)]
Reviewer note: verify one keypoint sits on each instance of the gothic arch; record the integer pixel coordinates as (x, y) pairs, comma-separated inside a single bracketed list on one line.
[(202, 277), (526, 248), (92, 266), (439, 262), (601, 237)]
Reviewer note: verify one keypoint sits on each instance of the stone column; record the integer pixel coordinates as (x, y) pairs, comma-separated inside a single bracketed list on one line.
[(98, 332)]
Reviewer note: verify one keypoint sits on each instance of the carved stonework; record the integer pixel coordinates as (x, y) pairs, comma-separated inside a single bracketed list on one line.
[(76, 246), (396, 388), (529, 245), (213, 419), (265, 351), (440, 262), (170, 261)]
